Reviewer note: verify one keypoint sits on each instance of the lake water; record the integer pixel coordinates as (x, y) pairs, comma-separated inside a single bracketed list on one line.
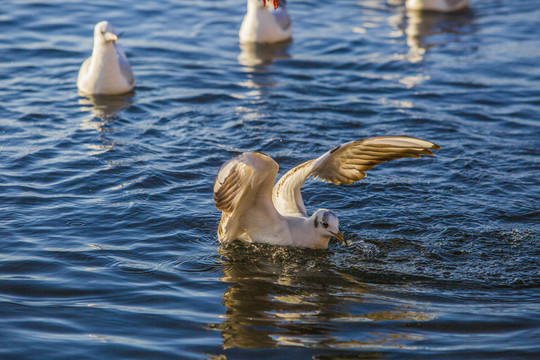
[(108, 243)]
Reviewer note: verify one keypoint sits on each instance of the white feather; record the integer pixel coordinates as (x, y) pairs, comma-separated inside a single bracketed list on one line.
[(107, 71), (255, 210), (263, 24)]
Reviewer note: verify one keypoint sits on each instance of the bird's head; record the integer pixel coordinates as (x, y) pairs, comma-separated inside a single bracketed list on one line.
[(326, 223), (104, 33)]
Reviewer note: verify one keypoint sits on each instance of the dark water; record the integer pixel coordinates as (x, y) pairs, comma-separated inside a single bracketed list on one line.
[(108, 243)]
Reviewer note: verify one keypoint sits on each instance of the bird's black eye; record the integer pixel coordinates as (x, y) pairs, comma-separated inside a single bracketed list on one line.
[(325, 225)]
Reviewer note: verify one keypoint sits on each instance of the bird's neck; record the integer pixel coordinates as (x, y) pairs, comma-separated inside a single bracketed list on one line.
[(255, 5), (306, 235), (103, 53), (319, 241)]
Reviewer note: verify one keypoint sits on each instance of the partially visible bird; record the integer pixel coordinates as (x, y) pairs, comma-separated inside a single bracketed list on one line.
[(107, 71), (265, 22), (437, 5), (256, 210)]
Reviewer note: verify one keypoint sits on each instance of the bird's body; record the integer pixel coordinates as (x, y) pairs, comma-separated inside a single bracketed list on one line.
[(107, 71), (256, 210), (265, 24), (437, 5)]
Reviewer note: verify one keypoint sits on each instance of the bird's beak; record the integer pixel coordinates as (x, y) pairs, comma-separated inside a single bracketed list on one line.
[(275, 2), (110, 36), (340, 237)]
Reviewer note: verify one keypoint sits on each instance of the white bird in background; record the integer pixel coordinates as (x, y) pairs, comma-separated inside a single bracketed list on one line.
[(265, 22), (107, 71), (437, 5), (256, 210)]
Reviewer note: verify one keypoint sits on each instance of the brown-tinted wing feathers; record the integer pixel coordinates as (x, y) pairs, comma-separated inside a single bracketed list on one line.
[(240, 184), (347, 163), (344, 164)]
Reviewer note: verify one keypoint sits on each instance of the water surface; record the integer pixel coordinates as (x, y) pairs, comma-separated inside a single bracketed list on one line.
[(108, 231)]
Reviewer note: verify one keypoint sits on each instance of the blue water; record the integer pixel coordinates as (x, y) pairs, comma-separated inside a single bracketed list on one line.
[(108, 246)]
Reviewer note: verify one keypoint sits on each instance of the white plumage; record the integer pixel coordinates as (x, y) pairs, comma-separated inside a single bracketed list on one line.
[(107, 71), (265, 24), (256, 210)]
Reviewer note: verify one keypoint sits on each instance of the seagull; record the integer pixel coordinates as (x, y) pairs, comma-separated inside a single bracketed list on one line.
[(107, 71), (255, 210), (266, 23), (437, 5)]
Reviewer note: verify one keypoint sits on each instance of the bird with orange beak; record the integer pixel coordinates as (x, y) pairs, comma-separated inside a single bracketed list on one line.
[(107, 71), (275, 2), (266, 22)]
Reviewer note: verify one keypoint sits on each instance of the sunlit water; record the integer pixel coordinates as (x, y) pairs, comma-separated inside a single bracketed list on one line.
[(108, 243)]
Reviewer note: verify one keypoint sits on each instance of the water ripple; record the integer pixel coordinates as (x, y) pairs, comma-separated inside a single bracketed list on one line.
[(108, 226)]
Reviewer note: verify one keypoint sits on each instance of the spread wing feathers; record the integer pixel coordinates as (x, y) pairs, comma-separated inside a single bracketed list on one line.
[(286, 193), (344, 164), (242, 191)]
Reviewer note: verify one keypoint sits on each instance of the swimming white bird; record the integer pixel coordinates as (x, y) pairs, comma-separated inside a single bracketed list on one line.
[(265, 22), (107, 71), (437, 5), (256, 210)]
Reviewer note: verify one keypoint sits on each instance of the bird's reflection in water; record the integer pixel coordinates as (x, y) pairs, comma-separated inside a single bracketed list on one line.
[(256, 59), (104, 108), (295, 297), (423, 28), (256, 55), (103, 111)]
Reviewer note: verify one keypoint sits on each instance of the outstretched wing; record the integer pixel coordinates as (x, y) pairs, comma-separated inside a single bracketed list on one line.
[(344, 164), (243, 192)]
